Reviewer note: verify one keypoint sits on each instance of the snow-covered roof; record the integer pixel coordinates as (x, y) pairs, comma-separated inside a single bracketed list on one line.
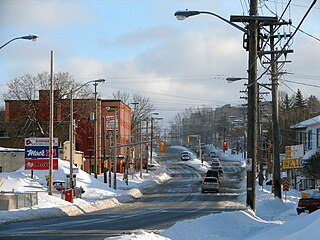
[(307, 123), (3, 149)]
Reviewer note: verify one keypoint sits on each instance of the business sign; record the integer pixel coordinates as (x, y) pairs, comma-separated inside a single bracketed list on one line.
[(37, 153), (40, 152), (39, 142), (40, 164), (291, 163), (110, 122), (294, 151)]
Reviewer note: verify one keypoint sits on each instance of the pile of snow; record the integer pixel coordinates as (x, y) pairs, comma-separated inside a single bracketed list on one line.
[(98, 195), (274, 219)]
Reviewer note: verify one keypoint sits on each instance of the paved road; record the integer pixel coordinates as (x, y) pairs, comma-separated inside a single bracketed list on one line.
[(175, 200)]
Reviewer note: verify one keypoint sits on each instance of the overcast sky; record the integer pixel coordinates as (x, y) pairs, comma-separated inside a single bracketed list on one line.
[(139, 46)]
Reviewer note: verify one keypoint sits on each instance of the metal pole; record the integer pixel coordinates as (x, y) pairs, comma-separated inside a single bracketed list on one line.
[(109, 165), (71, 140), (115, 152), (151, 142), (147, 138), (200, 150), (275, 119), (141, 149), (104, 149), (252, 105), (51, 125), (95, 130)]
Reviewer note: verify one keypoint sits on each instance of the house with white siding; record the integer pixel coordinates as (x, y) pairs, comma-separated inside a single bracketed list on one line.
[(308, 134)]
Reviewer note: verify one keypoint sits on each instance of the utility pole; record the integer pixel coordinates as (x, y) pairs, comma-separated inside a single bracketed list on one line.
[(275, 118), (252, 104), (51, 125), (255, 22), (147, 139), (104, 149), (95, 129), (141, 156), (115, 150), (109, 165)]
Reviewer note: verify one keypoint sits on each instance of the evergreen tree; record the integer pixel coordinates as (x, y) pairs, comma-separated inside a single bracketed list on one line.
[(300, 107), (313, 106), (312, 169)]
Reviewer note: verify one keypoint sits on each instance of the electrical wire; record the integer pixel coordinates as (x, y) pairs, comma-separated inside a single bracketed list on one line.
[(287, 43), (308, 34)]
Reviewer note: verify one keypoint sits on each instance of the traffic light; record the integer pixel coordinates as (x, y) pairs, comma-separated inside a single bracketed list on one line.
[(162, 146), (147, 146), (188, 139), (225, 145)]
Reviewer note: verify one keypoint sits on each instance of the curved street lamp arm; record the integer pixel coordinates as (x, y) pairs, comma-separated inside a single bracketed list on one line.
[(9, 42), (91, 81), (181, 15), (28, 37)]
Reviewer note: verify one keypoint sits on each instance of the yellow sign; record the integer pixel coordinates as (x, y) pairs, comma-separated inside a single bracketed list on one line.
[(291, 163), (288, 151), (286, 185)]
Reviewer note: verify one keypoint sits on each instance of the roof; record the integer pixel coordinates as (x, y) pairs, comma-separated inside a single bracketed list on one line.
[(307, 123)]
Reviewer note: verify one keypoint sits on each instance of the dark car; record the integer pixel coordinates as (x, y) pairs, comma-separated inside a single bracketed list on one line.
[(219, 169), (310, 204), (213, 173), (210, 184), (151, 167), (185, 156)]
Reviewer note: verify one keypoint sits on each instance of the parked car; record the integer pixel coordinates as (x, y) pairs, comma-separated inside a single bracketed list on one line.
[(151, 167), (210, 184), (185, 156), (59, 185), (310, 204)]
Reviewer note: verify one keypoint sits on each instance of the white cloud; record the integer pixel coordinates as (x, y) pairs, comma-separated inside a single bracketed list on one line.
[(32, 13)]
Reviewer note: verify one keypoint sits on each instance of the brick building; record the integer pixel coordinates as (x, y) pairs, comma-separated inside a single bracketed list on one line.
[(30, 118)]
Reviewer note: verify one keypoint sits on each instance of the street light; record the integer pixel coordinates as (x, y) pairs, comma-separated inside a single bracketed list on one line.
[(71, 125), (136, 132), (151, 137), (234, 79), (252, 32), (27, 37), (182, 15)]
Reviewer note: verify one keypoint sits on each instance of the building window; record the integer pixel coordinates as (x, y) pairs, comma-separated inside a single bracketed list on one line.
[(4, 134), (309, 139), (318, 137)]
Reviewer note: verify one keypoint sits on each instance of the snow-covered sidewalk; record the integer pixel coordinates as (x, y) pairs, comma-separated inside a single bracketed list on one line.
[(97, 196)]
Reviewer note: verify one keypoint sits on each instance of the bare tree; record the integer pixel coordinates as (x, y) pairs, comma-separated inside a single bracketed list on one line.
[(141, 111), (27, 88)]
